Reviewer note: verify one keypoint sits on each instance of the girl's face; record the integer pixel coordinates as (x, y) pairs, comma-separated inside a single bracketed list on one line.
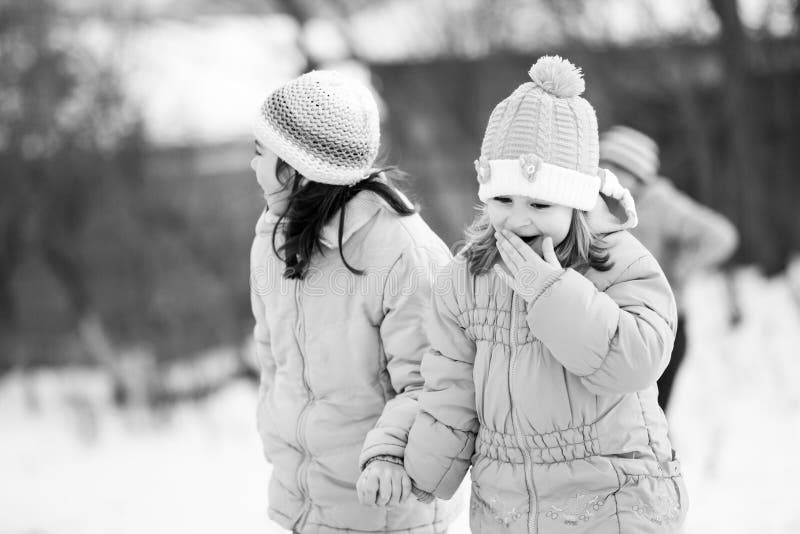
[(530, 219), (264, 164)]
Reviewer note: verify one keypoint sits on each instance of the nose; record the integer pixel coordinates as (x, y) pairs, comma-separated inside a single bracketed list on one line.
[(518, 218), (254, 163)]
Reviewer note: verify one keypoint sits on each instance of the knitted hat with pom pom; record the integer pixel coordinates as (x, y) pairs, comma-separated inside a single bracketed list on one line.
[(541, 141), (323, 124)]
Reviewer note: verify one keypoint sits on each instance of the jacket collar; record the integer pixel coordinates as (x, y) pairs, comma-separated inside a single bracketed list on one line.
[(360, 210)]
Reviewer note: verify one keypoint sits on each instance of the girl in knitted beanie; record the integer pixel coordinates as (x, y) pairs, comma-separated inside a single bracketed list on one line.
[(548, 332), (341, 271)]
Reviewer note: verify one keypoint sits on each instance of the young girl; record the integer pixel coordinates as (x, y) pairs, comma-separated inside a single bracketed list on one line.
[(548, 333), (341, 271)]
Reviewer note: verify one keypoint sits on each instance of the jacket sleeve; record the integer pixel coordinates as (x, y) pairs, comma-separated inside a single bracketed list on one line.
[(703, 237), (618, 340), (442, 439), (407, 294), (264, 358)]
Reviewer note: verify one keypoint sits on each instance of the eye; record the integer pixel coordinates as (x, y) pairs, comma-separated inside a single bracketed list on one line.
[(502, 200), (256, 150), (540, 206)]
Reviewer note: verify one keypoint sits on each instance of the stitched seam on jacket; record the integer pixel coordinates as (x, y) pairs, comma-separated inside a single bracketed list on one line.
[(471, 311), (605, 356), (388, 278), (278, 512), (616, 502), (452, 461), (616, 331), (403, 530), (628, 268), (646, 426), (545, 448)]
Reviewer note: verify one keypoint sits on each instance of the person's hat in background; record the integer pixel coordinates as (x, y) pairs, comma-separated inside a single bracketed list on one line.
[(630, 149)]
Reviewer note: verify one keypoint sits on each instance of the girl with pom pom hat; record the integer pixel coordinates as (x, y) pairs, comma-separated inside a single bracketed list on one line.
[(548, 332)]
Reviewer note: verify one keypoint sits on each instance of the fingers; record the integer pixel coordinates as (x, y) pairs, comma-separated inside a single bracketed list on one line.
[(549, 252), (422, 496), (515, 249), (405, 484), (396, 488), (517, 244), (385, 488), (367, 488), (506, 260), (505, 251)]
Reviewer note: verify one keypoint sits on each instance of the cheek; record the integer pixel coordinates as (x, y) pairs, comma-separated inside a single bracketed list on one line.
[(496, 217), (558, 227), (264, 174)]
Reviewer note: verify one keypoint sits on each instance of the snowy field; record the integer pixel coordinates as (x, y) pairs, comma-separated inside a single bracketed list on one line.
[(70, 463)]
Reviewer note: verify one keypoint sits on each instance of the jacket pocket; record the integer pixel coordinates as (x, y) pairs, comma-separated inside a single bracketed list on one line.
[(578, 496), (652, 495), (497, 511)]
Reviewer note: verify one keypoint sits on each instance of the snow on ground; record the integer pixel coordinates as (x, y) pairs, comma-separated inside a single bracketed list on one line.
[(736, 417), (70, 463)]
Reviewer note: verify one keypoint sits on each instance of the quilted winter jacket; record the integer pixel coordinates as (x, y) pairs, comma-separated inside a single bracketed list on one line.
[(339, 356), (553, 405)]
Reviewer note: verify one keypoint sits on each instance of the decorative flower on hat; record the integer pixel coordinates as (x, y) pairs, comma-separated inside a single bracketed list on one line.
[(483, 169), (530, 164)]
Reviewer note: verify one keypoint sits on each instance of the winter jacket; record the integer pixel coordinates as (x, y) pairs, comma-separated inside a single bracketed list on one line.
[(339, 356), (682, 234), (553, 404)]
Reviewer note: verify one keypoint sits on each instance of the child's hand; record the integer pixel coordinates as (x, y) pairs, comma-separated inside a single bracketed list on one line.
[(383, 484), (528, 274)]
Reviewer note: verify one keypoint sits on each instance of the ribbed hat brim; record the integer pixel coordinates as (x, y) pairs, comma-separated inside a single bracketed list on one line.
[(551, 183)]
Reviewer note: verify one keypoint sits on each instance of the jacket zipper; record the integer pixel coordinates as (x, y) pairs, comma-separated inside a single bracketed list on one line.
[(302, 470), (533, 511)]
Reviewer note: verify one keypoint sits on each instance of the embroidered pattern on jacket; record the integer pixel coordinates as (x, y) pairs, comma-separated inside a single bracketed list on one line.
[(495, 509), (579, 508), (661, 511)]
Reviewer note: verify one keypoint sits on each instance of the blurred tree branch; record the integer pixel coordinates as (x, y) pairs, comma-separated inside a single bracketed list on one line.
[(736, 50)]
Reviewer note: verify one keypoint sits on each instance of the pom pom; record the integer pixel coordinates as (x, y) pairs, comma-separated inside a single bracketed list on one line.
[(557, 76)]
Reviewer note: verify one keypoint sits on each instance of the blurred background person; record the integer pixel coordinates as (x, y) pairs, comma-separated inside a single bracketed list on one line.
[(684, 235)]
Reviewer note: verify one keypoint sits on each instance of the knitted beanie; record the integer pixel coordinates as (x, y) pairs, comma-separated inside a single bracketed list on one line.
[(632, 150), (541, 141), (324, 125)]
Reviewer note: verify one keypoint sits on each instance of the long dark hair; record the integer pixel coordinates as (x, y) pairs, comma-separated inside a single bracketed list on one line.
[(312, 205), (580, 248)]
